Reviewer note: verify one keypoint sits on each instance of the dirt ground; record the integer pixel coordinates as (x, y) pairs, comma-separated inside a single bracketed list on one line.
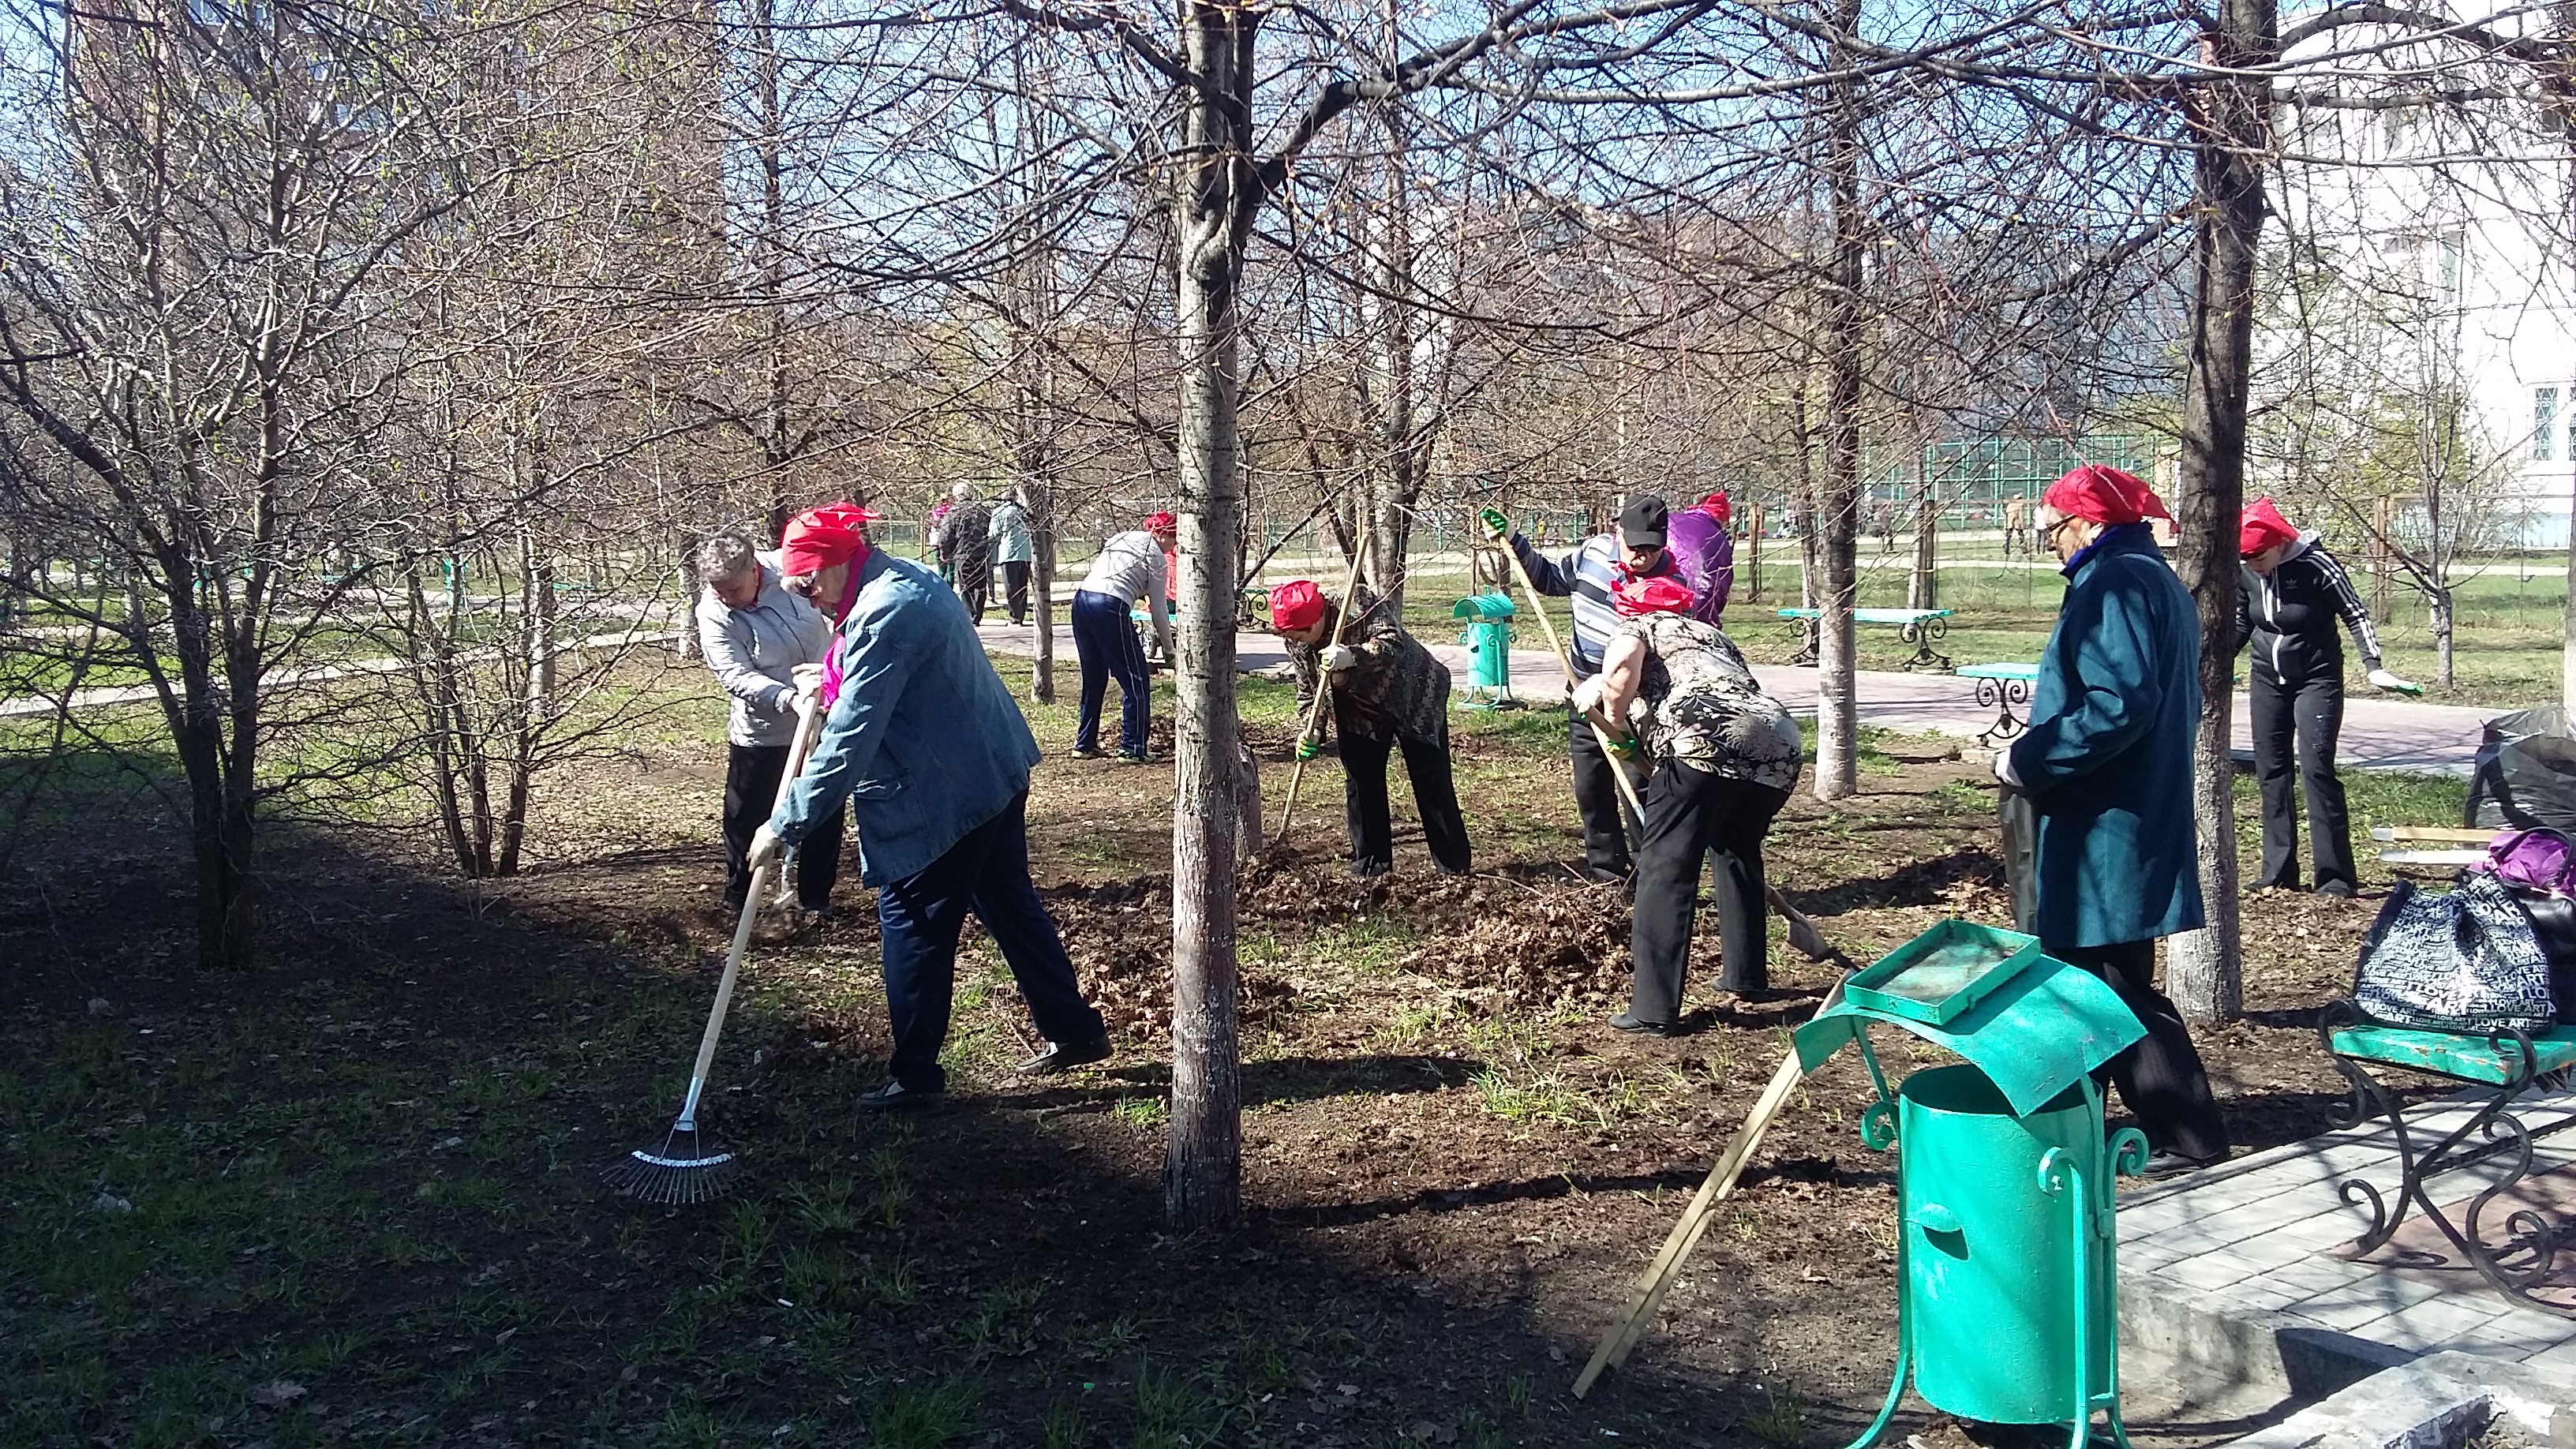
[(361, 1193)]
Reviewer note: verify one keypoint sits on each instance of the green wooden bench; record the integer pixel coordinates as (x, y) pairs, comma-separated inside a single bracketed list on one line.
[(1918, 627), (2509, 1062), (2002, 687)]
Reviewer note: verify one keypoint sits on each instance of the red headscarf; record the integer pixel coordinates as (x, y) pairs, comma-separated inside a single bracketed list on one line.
[(2105, 495), (1716, 506), (2262, 528), (1162, 522), (1656, 594), (821, 537), (1296, 604)]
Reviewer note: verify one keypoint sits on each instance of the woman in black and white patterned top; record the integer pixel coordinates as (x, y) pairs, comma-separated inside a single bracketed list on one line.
[(1725, 757)]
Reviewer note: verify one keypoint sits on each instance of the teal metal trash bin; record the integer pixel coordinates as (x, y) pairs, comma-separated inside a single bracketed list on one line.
[(2007, 1291), (1488, 638)]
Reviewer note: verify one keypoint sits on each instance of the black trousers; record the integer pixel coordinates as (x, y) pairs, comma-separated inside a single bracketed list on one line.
[(2309, 709), (975, 581), (751, 791), (1015, 584), (2161, 1080), (1691, 813), (1435, 795), (1607, 824)]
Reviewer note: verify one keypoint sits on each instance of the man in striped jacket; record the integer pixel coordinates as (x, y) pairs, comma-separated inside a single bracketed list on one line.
[(1587, 573), (2289, 599)]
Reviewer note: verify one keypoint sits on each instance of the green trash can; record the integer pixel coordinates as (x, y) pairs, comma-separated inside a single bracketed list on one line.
[(2002, 1280), (2007, 1294), (1488, 638)]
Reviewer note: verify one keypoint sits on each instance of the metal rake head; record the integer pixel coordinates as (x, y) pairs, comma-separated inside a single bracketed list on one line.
[(677, 1174)]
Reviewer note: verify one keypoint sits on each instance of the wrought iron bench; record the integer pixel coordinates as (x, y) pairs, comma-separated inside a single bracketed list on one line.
[(2509, 1062), (2000, 687), (1918, 627)]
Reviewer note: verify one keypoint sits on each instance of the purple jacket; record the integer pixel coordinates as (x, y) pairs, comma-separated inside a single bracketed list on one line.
[(1707, 558)]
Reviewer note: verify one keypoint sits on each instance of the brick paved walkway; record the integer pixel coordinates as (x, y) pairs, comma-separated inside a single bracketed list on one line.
[(2216, 1264)]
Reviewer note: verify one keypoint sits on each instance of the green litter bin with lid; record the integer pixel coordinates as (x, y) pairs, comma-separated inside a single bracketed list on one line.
[(2007, 1294), (1488, 638)]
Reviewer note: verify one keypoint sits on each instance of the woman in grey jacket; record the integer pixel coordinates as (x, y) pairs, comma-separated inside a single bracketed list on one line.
[(755, 635)]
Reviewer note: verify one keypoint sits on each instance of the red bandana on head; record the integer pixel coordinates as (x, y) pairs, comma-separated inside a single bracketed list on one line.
[(821, 537), (2262, 528), (1659, 594), (1716, 506), (1161, 523), (2105, 495), (1296, 604)]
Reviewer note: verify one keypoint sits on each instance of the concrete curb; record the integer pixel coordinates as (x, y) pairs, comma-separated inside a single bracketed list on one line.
[(2434, 1403)]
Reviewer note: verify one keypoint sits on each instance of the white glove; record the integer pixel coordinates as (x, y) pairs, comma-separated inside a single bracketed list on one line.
[(1342, 657), (2004, 770), (765, 847), (2385, 680), (808, 678), (1587, 695)]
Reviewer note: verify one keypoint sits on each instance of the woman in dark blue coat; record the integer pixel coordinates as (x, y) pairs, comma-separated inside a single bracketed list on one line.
[(2107, 766)]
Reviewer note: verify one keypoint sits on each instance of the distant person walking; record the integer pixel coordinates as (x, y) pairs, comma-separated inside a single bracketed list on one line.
[(1128, 567), (755, 636), (1012, 553), (2105, 767), (965, 538), (2289, 600), (2016, 526)]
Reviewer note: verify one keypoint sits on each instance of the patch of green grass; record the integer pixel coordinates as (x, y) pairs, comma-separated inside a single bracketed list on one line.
[(1141, 1113), (915, 1418), (1781, 1422)]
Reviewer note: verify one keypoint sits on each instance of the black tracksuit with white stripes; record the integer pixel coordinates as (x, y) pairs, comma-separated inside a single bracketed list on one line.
[(2296, 688)]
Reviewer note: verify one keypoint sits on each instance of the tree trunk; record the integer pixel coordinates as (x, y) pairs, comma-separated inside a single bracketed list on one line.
[(1038, 501), (1213, 210), (2445, 615), (1837, 668), (1924, 589), (2205, 966)]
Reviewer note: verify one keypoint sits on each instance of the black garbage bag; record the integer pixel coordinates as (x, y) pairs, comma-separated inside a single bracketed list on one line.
[(2526, 773), (2019, 819)]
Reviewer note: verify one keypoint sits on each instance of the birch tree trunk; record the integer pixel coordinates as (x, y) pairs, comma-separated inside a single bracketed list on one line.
[(2205, 967), (1217, 195)]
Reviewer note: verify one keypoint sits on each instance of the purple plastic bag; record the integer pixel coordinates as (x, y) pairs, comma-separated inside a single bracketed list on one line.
[(2533, 860)]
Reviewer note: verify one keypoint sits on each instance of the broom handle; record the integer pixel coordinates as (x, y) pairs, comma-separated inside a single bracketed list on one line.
[(797, 753), (1565, 661), (1323, 687), (807, 723)]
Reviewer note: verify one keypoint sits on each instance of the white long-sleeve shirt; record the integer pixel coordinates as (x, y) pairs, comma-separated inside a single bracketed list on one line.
[(1128, 567)]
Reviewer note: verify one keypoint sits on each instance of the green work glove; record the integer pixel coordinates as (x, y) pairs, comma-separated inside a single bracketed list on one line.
[(1497, 527), (1624, 749), (1308, 749)]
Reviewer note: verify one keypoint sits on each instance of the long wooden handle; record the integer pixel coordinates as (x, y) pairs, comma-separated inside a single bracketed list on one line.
[(807, 725), (1565, 661), (1323, 688), (1623, 1334)]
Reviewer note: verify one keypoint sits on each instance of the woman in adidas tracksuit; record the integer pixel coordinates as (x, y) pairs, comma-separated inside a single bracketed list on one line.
[(2289, 601)]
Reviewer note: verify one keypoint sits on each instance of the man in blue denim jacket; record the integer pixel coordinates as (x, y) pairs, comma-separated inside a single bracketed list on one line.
[(927, 741)]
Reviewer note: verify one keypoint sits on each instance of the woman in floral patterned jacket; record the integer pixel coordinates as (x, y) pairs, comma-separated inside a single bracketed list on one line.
[(1725, 755)]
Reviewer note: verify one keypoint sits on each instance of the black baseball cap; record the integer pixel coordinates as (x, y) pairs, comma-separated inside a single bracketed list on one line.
[(1644, 521)]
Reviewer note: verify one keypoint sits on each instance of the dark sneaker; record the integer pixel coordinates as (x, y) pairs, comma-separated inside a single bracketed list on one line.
[(2339, 889), (1089, 752), (896, 1097), (1065, 1056), (1136, 757), (2170, 1163), (1627, 1021)]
